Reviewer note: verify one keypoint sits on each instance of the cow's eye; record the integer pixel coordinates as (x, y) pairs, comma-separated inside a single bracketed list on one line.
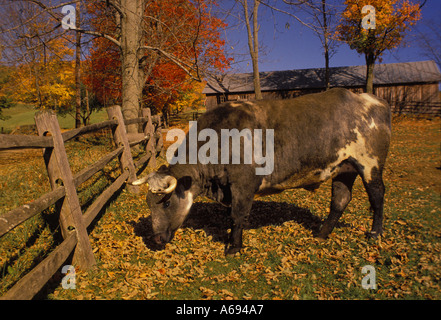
[(166, 204)]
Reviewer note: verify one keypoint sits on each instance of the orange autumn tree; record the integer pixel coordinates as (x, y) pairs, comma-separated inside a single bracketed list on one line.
[(102, 67), (193, 35), (102, 72), (185, 30), (372, 32)]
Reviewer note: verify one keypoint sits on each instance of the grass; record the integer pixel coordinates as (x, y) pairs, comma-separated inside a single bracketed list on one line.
[(281, 260), (23, 114), (23, 178)]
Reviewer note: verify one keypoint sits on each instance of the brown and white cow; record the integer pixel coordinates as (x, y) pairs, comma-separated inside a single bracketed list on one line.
[(334, 135)]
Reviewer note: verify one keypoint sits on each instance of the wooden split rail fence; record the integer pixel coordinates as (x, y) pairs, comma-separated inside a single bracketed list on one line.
[(73, 222)]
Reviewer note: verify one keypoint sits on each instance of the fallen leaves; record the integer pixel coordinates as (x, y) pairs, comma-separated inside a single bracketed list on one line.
[(279, 262)]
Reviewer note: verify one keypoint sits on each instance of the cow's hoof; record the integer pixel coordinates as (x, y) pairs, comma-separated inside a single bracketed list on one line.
[(373, 235), (321, 239), (231, 251), (321, 236)]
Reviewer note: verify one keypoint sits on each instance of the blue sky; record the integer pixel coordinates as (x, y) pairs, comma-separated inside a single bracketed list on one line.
[(298, 47)]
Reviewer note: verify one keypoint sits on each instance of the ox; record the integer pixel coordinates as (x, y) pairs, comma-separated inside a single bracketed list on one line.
[(334, 135)]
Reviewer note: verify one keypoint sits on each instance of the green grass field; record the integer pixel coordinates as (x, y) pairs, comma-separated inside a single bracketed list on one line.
[(23, 114), (282, 259)]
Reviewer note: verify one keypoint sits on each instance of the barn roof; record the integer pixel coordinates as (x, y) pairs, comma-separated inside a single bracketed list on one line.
[(384, 74)]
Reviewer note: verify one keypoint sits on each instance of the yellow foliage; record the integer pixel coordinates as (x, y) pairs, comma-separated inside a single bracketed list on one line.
[(48, 79), (392, 19), (191, 98)]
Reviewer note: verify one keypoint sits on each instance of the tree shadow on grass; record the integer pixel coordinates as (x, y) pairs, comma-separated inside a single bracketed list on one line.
[(215, 220)]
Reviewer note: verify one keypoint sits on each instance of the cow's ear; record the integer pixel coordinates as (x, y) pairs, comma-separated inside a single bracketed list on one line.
[(162, 169), (186, 182)]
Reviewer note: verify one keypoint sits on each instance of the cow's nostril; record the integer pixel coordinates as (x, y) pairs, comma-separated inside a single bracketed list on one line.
[(158, 239)]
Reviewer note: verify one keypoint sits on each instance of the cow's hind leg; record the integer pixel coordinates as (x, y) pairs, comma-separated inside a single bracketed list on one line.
[(240, 210), (375, 190), (341, 196)]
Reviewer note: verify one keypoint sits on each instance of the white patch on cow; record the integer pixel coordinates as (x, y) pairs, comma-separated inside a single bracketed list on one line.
[(189, 199), (188, 202), (369, 101), (357, 149), (235, 104), (329, 172), (368, 98), (264, 185), (373, 125)]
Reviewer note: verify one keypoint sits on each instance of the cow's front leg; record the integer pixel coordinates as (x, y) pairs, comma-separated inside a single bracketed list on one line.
[(235, 241), (240, 211)]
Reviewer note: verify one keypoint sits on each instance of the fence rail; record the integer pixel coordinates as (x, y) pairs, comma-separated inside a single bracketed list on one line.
[(73, 223), (416, 107)]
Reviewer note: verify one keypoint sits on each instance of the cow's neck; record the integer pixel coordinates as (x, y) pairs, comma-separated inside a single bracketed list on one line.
[(188, 170)]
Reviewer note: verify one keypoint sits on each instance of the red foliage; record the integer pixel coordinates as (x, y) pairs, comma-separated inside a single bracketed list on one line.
[(183, 28)]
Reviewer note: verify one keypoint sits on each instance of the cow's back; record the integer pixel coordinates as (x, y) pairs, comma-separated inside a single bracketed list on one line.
[(313, 134)]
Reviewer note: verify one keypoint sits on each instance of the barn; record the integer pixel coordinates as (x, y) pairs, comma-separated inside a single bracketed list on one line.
[(411, 87)]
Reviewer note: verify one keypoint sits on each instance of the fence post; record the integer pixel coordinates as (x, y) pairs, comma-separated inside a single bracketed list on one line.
[(149, 129), (59, 172), (120, 138), (158, 138)]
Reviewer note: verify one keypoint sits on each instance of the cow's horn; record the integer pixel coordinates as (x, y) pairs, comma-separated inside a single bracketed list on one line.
[(139, 181), (171, 182)]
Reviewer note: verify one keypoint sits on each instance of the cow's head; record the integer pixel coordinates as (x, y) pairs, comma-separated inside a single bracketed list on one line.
[(169, 200)]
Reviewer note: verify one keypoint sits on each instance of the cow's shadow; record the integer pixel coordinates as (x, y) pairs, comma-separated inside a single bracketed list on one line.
[(215, 220)]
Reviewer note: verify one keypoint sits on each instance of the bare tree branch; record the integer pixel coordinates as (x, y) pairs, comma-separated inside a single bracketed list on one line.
[(98, 34), (115, 6), (181, 64)]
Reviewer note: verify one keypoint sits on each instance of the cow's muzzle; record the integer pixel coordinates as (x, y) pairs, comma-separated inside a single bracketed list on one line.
[(163, 237)]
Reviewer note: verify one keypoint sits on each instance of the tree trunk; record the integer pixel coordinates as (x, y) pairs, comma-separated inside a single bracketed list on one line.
[(327, 75), (165, 116), (78, 70), (326, 45), (370, 63), (37, 86), (86, 120), (253, 44), (131, 37)]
